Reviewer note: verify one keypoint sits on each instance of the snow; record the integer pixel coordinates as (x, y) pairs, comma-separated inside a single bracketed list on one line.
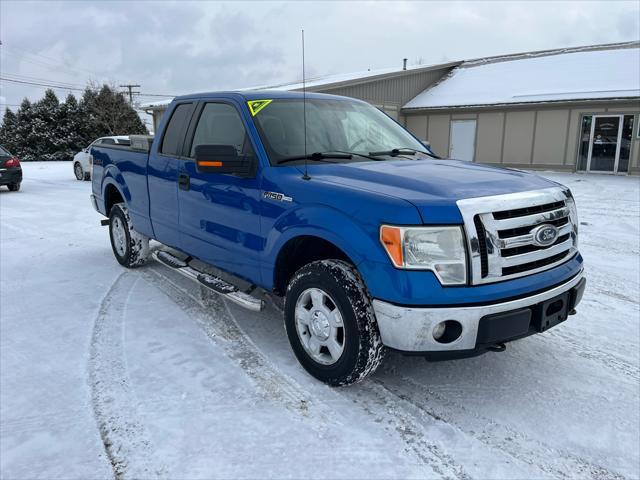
[(139, 373), (161, 103), (325, 80), (569, 76)]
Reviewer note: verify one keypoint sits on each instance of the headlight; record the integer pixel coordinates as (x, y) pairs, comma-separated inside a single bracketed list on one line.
[(439, 249)]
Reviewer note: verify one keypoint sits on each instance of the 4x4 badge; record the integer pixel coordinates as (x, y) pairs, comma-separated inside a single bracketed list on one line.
[(280, 197)]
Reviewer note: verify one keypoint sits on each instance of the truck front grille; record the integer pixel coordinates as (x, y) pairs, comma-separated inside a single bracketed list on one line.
[(500, 233)]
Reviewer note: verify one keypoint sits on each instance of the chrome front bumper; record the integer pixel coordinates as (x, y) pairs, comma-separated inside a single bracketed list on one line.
[(410, 329)]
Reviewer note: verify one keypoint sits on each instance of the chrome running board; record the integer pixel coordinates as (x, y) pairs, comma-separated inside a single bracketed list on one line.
[(212, 282)]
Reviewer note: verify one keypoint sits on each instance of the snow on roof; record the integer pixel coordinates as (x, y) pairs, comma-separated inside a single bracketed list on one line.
[(316, 82), (163, 103), (578, 75), (348, 77)]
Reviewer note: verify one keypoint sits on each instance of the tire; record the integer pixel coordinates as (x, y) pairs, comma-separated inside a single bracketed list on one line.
[(77, 170), (354, 329), (130, 248), (14, 187)]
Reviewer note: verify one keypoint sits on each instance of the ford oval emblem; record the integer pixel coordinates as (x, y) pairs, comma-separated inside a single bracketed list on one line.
[(544, 235)]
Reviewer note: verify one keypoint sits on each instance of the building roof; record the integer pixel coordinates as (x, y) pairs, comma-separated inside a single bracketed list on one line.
[(345, 79), (597, 72), (326, 81), (156, 104)]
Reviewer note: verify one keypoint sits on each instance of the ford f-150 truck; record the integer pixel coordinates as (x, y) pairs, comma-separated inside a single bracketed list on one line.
[(373, 241)]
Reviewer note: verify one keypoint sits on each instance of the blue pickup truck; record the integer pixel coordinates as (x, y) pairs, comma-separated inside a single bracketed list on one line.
[(372, 241)]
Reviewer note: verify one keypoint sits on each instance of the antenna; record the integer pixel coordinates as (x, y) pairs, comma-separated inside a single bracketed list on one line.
[(304, 113)]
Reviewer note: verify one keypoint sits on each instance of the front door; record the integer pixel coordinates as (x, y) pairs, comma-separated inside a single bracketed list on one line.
[(609, 143), (219, 213)]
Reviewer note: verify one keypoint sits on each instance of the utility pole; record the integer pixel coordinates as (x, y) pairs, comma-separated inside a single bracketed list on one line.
[(131, 92)]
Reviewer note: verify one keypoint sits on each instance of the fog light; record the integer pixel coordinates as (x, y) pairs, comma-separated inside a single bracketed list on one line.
[(447, 331), (438, 330)]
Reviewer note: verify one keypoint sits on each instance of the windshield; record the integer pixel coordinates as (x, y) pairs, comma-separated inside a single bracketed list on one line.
[(332, 126), (4, 152)]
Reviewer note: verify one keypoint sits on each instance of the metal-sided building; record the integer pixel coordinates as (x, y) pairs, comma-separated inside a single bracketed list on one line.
[(572, 109)]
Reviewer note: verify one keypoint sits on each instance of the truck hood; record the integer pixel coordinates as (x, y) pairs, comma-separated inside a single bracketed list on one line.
[(433, 186)]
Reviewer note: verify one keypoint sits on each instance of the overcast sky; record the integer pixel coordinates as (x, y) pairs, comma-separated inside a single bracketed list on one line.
[(175, 48)]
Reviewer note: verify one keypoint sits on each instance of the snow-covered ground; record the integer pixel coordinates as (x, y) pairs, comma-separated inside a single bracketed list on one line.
[(137, 374)]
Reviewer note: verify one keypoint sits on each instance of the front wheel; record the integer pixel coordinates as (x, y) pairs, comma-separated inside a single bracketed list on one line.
[(130, 248), (331, 324)]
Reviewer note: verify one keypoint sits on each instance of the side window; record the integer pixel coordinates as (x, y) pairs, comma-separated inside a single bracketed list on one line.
[(108, 141), (220, 124), (173, 135)]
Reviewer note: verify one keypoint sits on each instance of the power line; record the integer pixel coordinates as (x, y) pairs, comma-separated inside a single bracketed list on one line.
[(48, 85), (29, 78), (75, 88)]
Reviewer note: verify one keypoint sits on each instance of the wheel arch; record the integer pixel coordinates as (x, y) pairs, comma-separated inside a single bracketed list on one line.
[(112, 195), (300, 251)]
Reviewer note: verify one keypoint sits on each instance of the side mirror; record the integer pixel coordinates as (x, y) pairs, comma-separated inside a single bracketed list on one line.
[(223, 159)]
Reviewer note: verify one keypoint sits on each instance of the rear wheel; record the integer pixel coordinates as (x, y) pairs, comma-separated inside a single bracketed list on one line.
[(331, 324), (130, 248), (14, 187), (77, 170)]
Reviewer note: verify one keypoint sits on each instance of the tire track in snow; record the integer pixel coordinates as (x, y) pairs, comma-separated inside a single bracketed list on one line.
[(214, 318), (277, 386), (411, 429), (558, 463), (607, 359), (126, 441)]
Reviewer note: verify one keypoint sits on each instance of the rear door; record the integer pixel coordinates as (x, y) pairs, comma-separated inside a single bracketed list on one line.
[(165, 161), (219, 213)]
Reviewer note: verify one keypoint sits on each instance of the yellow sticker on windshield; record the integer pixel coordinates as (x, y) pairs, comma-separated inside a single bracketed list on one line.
[(256, 105)]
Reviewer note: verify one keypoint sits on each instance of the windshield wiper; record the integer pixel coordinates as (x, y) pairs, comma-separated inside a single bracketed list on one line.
[(394, 152), (357, 154), (317, 156)]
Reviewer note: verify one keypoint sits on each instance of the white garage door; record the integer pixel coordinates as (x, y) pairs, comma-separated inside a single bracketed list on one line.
[(463, 140)]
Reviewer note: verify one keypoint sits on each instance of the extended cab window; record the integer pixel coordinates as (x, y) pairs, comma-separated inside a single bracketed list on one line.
[(173, 135), (220, 124)]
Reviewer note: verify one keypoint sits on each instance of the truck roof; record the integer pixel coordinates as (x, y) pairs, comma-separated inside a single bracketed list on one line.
[(260, 94)]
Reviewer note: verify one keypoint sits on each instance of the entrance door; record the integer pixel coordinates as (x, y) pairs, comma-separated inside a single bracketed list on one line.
[(604, 144), (463, 140), (608, 143)]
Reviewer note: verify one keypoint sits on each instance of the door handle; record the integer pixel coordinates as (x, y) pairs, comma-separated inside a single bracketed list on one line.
[(183, 181)]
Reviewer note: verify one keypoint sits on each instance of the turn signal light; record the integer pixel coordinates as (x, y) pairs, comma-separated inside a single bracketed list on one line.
[(391, 239), (206, 163)]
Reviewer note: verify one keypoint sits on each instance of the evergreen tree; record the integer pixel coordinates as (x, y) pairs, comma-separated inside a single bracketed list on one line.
[(50, 130), (8, 131), (46, 129), (110, 114), (72, 132), (25, 148)]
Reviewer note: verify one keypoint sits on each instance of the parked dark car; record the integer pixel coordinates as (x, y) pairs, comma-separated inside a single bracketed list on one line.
[(10, 170)]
